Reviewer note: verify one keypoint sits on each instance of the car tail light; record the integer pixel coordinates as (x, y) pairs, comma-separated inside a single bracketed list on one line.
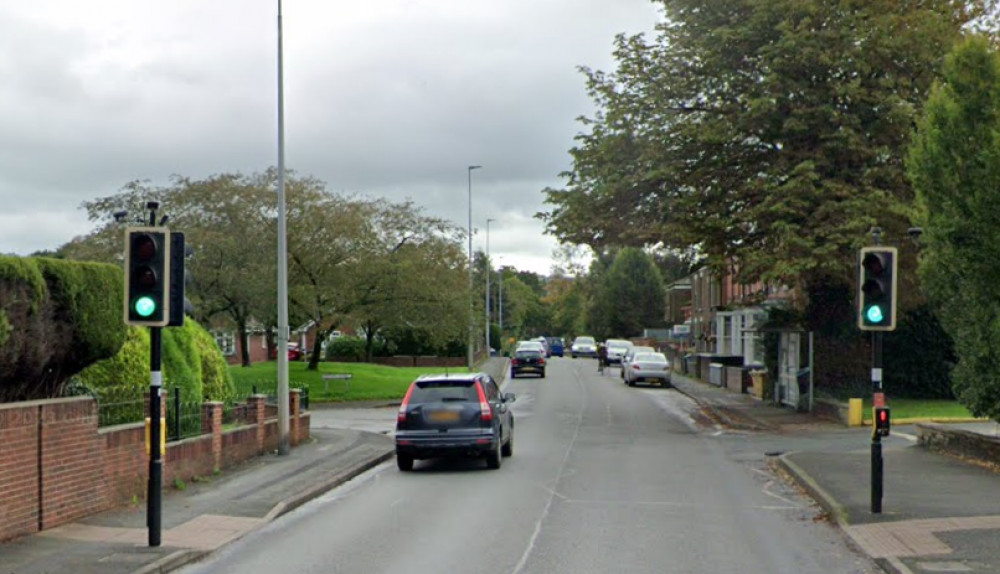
[(636, 367), (401, 416), (541, 361), (513, 362), (484, 406)]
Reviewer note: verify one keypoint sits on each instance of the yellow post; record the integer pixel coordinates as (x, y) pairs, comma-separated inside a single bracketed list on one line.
[(163, 435), (854, 412)]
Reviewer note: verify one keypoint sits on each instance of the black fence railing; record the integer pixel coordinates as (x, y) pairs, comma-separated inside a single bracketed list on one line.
[(184, 414)]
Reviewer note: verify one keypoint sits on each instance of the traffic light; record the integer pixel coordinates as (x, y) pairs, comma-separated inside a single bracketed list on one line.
[(178, 280), (147, 276), (877, 289), (882, 421)]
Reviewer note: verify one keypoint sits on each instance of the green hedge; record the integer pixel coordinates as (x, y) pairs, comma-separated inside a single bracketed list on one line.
[(190, 360), (56, 318)]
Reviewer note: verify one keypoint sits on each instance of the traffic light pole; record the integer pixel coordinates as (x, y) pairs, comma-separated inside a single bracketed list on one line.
[(154, 501), (877, 396), (155, 485)]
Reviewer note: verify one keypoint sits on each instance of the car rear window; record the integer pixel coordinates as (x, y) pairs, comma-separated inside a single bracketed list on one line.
[(528, 353), (444, 391)]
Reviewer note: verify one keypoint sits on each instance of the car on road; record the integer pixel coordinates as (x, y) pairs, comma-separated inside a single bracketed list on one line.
[(631, 353), (556, 346), (454, 415), (617, 349), (583, 346), (648, 368), (527, 361), (531, 345), (545, 345)]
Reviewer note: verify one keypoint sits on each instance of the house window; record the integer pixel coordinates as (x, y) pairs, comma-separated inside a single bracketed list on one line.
[(227, 342), (754, 339)]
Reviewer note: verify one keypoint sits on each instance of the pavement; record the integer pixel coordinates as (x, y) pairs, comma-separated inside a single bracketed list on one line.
[(940, 513)]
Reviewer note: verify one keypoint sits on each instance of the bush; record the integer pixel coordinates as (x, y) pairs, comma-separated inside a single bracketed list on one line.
[(56, 318), (346, 347), (191, 361)]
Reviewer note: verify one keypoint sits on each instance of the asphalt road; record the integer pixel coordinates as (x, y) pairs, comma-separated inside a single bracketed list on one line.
[(604, 478)]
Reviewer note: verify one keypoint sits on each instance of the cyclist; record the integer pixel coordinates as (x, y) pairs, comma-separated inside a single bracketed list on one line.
[(602, 357)]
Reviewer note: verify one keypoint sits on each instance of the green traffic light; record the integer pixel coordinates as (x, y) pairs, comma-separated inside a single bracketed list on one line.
[(144, 306), (874, 314)]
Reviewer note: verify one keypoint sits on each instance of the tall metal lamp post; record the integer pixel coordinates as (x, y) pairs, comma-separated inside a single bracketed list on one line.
[(472, 316), (489, 271), (284, 423)]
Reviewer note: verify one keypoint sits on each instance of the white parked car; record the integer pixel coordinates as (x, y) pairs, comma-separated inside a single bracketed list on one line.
[(617, 349), (647, 367), (631, 353), (583, 347)]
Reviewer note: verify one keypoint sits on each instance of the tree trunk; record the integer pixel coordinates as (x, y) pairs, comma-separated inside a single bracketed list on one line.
[(314, 357), (272, 345), (244, 343)]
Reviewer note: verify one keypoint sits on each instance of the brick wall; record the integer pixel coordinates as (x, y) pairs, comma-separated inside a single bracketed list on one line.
[(19, 469), (56, 466)]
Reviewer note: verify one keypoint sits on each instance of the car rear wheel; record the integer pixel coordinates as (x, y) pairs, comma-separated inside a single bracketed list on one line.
[(543, 373), (508, 449), (405, 463), (494, 458)]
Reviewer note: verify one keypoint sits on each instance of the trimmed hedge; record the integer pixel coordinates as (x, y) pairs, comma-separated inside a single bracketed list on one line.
[(190, 360), (61, 330), (56, 318)]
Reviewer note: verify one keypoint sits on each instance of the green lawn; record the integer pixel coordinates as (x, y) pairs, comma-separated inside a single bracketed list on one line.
[(920, 409), (368, 381)]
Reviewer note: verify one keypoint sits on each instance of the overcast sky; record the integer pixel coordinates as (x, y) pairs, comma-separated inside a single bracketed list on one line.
[(386, 98)]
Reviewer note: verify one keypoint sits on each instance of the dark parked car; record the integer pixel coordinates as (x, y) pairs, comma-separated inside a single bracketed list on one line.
[(556, 346), (527, 360), (450, 415)]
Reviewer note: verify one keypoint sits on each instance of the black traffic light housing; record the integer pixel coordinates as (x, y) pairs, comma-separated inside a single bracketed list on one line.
[(147, 276), (882, 421), (877, 288), (178, 280)]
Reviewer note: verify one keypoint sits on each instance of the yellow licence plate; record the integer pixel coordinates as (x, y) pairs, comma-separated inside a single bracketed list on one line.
[(444, 416)]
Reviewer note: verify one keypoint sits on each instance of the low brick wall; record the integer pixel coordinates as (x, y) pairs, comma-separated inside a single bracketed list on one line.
[(947, 439), (57, 466)]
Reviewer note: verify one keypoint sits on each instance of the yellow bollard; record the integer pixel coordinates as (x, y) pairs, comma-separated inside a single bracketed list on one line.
[(854, 412)]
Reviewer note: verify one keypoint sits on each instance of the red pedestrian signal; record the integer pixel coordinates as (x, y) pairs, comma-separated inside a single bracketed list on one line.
[(882, 421)]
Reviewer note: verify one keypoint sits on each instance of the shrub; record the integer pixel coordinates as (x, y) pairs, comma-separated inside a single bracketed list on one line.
[(56, 318), (346, 347)]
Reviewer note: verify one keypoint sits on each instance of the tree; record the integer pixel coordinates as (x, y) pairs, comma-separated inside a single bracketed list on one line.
[(630, 296), (413, 277), (765, 133), (954, 164), (229, 223)]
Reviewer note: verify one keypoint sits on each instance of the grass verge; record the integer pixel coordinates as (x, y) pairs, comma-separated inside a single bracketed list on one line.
[(919, 409), (367, 382)]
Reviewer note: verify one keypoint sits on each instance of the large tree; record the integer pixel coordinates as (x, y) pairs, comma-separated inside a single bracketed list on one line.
[(955, 167), (766, 132), (629, 296), (228, 222)]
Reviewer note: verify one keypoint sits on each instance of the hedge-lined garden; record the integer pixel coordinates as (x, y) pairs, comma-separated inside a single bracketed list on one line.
[(61, 332)]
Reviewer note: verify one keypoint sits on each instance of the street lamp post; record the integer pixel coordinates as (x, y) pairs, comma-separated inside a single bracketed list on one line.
[(472, 316), (284, 416), (500, 300), (489, 270)]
